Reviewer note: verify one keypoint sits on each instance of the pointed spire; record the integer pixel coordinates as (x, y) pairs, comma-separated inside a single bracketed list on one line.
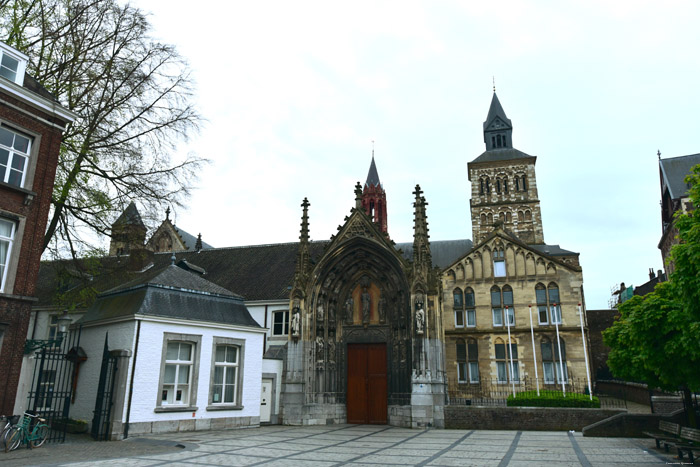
[(198, 243), (130, 216), (304, 237), (496, 110), (372, 175), (167, 213), (421, 244), (358, 196), (498, 129)]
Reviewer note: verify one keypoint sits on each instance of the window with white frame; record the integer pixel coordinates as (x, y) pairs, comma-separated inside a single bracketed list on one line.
[(548, 306), (280, 323), (225, 374), (179, 372), (508, 303), (7, 236), (458, 300), (471, 307), (496, 306), (467, 361), (554, 305), (506, 362), (226, 381), (14, 156), (542, 307), (12, 64), (52, 327), (499, 263), (552, 364)]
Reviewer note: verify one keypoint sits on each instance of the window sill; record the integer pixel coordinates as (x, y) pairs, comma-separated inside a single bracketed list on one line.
[(224, 407), (29, 195), (177, 408)]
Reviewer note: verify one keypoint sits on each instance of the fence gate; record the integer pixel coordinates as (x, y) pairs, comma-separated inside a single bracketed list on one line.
[(53, 381), (105, 395)]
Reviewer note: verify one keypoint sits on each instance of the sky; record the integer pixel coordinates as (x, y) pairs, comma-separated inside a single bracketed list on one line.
[(294, 94)]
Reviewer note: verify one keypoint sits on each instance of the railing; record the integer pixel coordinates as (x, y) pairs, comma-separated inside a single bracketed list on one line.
[(493, 393)]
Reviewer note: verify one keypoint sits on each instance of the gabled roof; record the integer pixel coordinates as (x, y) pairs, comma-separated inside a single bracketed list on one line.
[(444, 252), (130, 216), (190, 240), (172, 292), (496, 110), (372, 175), (502, 154), (674, 170)]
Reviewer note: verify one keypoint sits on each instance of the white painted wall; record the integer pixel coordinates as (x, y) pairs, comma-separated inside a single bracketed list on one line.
[(148, 365), (258, 312), (274, 366)]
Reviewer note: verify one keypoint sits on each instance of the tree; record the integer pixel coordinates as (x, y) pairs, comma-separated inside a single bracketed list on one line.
[(133, 97), (656, 337)]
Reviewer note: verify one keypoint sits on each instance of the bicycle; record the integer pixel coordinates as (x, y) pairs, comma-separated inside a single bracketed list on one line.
[(7, 423), (31, 430)]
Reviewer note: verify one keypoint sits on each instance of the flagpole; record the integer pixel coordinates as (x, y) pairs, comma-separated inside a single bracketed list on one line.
[(510, 351), (534, 354), (585, 353), (561, 364)]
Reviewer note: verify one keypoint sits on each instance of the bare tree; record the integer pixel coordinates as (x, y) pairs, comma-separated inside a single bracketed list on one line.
[(133, 96)]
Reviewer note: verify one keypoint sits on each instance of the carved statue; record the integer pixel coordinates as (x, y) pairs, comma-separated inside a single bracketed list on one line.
[(331, 348), (382, 310), (420, 315), (331, 312), (296, 307), (365, 306), (319, 313), (319, 348), (349, 305), (296, 322)]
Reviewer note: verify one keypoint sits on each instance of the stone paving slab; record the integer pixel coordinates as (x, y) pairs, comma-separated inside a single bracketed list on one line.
[(349, 445)]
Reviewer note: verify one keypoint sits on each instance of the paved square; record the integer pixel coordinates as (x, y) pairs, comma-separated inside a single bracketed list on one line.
[(349, 445)]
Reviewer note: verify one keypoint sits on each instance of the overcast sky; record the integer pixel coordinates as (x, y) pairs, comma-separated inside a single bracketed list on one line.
[(295, 92)]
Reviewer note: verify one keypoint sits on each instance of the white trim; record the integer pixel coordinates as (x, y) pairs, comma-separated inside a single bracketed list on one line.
[(37, 101), (281, 302), (201, 324)]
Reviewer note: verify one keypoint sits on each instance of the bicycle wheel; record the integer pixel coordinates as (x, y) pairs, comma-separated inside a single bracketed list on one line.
[(13, 440), (39, 435)]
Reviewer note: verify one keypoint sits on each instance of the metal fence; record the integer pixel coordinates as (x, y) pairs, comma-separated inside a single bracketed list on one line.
[(493, 393)]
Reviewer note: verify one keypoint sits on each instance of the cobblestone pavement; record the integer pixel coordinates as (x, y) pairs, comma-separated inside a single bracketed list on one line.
[(350, 445)]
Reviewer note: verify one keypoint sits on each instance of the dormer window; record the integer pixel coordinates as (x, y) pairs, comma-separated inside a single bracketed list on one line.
[(12, 64)]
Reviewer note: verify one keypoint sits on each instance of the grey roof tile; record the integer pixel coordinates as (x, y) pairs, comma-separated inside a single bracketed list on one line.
[(501, 154), (674, 170)]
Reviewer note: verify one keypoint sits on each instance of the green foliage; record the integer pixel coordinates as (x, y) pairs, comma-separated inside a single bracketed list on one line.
[(552, 399)]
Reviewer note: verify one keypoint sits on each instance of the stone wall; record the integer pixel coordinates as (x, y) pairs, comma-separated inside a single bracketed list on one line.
[(626, 425), (523, 418)]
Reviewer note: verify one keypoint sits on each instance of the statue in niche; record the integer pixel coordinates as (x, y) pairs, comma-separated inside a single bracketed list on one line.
[(349, 304), (319, 313), (331, 312), (319, 348), (420, 315), (382, 310), (331, 348), (366, 299), (296, 322)]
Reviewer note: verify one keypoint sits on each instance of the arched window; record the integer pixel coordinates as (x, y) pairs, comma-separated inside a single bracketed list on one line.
[(461, 361), (493, 141), (483, 218), (548, 306), (473, 359), (524, 179), (487, 181), (458, 300), (554, 366), (502, 216), (490, 218), (505, 185), (498, 140), (508, 304), (498, 186), (496, 306), (509, 217), (470, 306), (517, 183), (481, 186), (521, 216), (499, 262), (528, 216), (506, 361)]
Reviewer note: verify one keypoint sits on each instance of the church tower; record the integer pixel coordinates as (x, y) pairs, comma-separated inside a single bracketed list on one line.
[(128, 232), (504, 187), (374, 198)]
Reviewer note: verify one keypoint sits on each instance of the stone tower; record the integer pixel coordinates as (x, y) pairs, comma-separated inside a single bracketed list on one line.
[(128, 232), (504, 187), (374, 198)]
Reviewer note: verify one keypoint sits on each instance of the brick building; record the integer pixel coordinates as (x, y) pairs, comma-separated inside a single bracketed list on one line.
[(31, 126)]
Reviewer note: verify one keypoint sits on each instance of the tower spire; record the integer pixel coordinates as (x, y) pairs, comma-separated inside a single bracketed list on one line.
[(373, 197), (498, 129)]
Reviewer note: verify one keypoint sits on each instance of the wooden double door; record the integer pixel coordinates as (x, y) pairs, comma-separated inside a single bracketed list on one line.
[(367, 384)]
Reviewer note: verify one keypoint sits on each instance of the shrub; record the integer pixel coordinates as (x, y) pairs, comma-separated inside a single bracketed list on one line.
[(552, 399)]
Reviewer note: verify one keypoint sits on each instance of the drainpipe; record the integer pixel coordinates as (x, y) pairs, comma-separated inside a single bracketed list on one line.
[(131, 384)]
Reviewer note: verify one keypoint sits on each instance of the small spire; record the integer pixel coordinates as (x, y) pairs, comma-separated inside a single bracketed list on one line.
[(658, 153), (198, 243), (304, 237), (167, 213), (358, 196)]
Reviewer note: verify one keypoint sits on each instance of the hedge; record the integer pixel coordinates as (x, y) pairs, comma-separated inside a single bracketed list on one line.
[(552, 399)]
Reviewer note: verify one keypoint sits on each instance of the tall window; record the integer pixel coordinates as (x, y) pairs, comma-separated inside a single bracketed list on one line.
[(177, 379), (280, 323), (471, 307), (505, 185), (53, 327), (498, 186), (14, 156), (467, 361), (458, 307), (7, 236), (225, 374), (523, 185), (508, 304), (551, 363), (506, 372), (548, 306), (499, 263), (496, 306)]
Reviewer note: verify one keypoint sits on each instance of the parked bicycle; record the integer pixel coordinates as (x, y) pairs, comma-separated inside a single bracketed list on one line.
[(6, 423), (31, 430)]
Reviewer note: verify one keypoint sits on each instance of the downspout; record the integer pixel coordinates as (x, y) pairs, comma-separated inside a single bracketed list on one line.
[(131, 383), (265, 326)]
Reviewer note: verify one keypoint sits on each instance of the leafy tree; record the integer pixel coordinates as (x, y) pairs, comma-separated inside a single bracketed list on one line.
[(656, 338), (133, 97)]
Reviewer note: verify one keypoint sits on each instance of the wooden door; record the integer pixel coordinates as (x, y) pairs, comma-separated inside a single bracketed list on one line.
[(367, 385)]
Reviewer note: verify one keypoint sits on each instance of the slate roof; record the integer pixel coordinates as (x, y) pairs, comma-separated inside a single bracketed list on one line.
[(172, 292), (502, 154), (443, 252), (496, 110), (189, 239), (674, 170), (130, 216), (552, 250), (372, 175)]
